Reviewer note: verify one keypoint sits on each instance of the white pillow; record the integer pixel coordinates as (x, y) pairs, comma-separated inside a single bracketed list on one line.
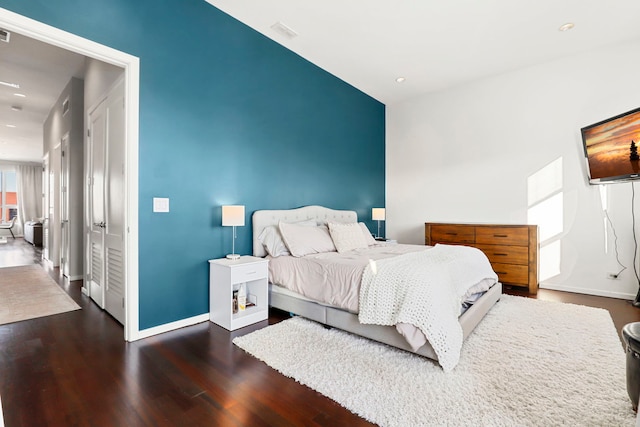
[(301, 240), (347, 237), (272, 241), (367, 234)]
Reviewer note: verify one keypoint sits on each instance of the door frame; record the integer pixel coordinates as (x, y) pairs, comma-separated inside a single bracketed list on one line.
[(131, 64), (64, 206)]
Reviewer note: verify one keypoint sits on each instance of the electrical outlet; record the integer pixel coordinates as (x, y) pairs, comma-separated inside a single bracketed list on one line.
[(612, 276)]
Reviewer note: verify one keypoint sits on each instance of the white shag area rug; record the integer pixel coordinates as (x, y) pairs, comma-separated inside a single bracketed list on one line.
[(528, 363)]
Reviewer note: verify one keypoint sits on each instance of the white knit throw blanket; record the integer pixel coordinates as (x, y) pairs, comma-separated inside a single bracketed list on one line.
[(424, 289)]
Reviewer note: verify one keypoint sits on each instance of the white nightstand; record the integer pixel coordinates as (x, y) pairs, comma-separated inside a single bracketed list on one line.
[(225, 275)]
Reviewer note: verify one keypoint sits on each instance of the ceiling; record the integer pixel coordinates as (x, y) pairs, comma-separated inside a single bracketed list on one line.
[(42, 71), (367, 43), (435, 44)]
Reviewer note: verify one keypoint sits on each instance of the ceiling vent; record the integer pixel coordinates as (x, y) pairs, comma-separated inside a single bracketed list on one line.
[(4, 35), (280, 28)]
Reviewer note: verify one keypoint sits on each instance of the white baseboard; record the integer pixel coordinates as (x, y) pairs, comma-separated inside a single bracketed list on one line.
[(596, 292), (85, 291), (50, 263), (76, 277), (145, 333)]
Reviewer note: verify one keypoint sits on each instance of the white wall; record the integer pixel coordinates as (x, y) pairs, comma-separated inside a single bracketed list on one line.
[(473, 154), (98, 78), (55, 127)]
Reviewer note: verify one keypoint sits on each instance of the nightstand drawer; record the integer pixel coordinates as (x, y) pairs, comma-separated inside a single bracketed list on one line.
[(506, 254), (246, 273), (502, 235), (512, 273), (452, 233)]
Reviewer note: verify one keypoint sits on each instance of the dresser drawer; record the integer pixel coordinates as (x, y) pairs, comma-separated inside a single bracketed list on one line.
[(502, 235), (452, 233), (505, 254), (512, 273), (249, 272)]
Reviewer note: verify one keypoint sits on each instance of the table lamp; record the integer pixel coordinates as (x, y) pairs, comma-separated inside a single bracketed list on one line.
[(378, 214), (233, 216)]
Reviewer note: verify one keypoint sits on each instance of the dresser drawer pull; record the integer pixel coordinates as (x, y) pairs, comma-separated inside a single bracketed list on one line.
[(497, 254), (251, 272), (451, 233), (500, 235), (502, 272)]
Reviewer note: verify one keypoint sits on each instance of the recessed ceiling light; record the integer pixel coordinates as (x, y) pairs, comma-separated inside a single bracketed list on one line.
[(21, 95), (13, 85), (16, 108), (400, 79), (10, 126), (566, 27)]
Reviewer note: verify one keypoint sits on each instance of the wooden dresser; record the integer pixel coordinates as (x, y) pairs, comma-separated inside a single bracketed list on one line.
[(511, 249)]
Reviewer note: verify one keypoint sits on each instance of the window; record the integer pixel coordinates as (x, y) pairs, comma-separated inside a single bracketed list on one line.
[(8, 195)]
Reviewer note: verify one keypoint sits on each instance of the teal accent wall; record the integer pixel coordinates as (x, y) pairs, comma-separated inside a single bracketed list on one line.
[(227, 116)]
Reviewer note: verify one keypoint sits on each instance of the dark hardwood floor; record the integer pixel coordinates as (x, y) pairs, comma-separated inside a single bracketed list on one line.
[(75, 369)]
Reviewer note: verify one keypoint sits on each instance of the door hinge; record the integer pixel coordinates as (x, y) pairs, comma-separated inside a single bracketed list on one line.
[(123, 302), (62, 153), (89, 133)]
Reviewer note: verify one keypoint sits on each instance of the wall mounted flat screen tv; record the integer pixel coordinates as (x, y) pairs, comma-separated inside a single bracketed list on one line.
[(612, 148)]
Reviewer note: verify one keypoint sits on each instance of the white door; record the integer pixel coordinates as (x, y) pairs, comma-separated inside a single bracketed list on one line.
[(106, 205), (95, 247), (64, 207), (53, 210), (45, 206), (114, 204)]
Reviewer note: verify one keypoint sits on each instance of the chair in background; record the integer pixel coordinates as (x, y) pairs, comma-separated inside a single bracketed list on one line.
[(9, 225)]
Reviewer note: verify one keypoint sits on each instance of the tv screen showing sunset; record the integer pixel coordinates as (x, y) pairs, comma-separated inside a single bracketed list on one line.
[(613, 147)]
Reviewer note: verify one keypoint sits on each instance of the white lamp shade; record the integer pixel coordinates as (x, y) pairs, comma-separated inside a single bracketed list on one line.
[(233, 215), (377, 214)]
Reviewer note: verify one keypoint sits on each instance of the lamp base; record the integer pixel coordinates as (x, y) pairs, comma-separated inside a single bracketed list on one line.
[(233, 256)]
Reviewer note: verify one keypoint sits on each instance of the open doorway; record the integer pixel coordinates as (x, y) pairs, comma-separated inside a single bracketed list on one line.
[(130, 69)]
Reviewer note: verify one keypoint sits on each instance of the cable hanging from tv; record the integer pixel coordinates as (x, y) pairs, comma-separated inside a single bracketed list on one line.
[(636, 301)]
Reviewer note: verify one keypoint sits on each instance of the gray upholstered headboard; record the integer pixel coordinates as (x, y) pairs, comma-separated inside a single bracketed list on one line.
[(262, 219)]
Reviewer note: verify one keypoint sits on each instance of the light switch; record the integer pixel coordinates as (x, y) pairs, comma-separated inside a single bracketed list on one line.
[(160, 204)]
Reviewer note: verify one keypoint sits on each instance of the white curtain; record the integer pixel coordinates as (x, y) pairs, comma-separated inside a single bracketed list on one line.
[(29, 180)]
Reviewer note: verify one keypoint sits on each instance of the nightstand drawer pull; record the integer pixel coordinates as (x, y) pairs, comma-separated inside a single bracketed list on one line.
[(500, 235), (244, 273), (449, 233), (499, 254)]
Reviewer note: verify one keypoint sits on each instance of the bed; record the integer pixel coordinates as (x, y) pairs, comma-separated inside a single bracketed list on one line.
[(343, 315)]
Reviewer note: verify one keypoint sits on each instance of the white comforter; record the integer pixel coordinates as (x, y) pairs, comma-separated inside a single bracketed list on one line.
[(425, 289)]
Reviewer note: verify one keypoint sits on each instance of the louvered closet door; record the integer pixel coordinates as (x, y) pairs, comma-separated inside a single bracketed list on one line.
[(97, 143), (106, 248), (114, 206)]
